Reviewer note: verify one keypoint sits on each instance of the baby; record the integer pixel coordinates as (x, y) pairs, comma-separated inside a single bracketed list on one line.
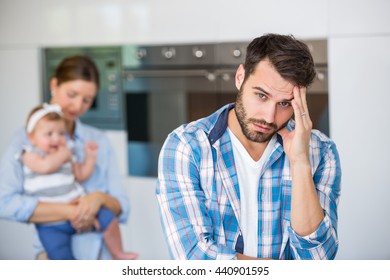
[(53, 175)]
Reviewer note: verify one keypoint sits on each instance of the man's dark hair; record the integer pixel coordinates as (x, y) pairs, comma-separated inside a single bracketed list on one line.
[(290, 57)]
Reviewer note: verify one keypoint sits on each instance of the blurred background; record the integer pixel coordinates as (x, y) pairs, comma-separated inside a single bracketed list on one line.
[(352, 98)]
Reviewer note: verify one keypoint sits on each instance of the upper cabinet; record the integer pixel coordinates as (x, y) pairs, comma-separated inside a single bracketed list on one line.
[(359, 17), (244, 20), (74, 22)]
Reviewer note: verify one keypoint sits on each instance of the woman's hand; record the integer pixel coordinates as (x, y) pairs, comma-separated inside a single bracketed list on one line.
[(87, 207), (296, 142)]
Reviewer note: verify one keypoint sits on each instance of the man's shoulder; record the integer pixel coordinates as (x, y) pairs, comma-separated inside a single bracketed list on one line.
[(204, 125), (322, 146), (192, 133), (320, 138)]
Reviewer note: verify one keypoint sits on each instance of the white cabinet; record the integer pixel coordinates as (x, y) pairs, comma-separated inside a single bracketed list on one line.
[(19, 23), (359, 17), (359, 112), (73, 22), (251, 18)]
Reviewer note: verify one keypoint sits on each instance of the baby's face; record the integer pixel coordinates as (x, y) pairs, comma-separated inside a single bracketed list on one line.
[(48, 135)]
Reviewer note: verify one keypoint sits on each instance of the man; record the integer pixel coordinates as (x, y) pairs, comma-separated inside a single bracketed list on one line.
[(253, 180)]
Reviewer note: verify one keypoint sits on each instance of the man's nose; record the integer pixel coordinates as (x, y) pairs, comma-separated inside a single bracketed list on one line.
[(269, 112)]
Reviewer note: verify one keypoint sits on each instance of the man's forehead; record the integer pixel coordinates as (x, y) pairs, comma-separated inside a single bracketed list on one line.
[(276, 93), (269, 80)]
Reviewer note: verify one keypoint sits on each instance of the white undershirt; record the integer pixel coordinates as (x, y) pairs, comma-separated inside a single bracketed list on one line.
[(248, 174)]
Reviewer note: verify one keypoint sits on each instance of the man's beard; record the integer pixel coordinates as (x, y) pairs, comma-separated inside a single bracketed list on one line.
[(255, 136)]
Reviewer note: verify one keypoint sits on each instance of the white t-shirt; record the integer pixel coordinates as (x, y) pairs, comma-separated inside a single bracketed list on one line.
[(248, 174)]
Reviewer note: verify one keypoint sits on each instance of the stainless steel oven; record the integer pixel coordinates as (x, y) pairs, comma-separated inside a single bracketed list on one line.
[(150, 90), (166, 86)]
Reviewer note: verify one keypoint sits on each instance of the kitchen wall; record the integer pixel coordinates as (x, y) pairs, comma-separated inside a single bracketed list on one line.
[(358, 33)]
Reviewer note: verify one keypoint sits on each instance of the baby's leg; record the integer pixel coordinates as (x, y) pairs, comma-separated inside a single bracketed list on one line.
[(56, 239), (112, 236)]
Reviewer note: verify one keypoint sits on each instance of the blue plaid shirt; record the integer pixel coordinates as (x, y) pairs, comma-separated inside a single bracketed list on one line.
[(199, 198)]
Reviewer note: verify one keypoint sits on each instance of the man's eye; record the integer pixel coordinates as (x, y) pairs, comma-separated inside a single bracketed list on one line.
[(284, 104), (261, 95)]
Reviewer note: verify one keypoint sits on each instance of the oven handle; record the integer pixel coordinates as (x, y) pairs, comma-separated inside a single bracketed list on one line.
[(130, 75)]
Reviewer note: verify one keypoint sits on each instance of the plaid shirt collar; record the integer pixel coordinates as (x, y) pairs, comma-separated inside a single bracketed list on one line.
[(219, 138)]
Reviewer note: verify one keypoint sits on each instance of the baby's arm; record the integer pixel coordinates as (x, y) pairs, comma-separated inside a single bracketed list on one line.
[(82, 171), (47, 164)]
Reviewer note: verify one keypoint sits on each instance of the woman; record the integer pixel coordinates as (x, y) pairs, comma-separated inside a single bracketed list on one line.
[(73, 88)]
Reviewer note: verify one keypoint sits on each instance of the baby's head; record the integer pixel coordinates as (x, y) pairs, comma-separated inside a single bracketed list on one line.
[(46, 128)]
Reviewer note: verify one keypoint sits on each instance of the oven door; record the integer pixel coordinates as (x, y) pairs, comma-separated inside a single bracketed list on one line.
[(157, 102)]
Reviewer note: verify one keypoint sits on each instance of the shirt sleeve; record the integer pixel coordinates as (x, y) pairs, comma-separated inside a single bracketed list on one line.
[(323, 243), (14, 204), (188, 229)]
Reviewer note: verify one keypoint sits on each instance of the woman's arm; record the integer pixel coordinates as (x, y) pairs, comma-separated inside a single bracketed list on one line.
[(104, 187), (88, 206), (52, 212), (14, 204), (81, 212)]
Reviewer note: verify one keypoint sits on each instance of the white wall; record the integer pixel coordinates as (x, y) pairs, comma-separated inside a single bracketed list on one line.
[(360, 129), (19, 84), (359, 68), (359, 40)]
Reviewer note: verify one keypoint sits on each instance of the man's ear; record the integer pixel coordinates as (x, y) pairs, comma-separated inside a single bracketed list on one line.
[(240, 75)]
